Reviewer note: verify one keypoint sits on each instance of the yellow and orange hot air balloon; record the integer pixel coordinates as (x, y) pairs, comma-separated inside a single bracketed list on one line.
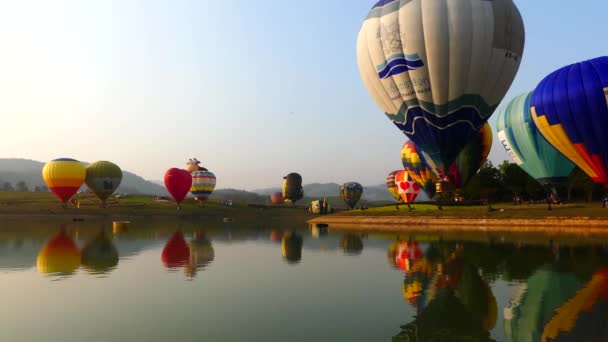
[(64, 176), (59, 255)]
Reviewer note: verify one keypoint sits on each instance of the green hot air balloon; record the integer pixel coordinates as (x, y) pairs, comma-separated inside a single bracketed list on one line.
[(103, 178), (527, 147), (351, 193)]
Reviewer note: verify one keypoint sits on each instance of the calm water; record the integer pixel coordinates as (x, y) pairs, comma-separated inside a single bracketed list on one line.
[(228, 282)]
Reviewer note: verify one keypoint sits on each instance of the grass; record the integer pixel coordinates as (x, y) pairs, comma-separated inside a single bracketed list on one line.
[(501, 210), (37, 204)]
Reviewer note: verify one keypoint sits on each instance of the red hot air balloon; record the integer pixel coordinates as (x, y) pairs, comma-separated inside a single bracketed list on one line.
[(178, 183), (176, 252)]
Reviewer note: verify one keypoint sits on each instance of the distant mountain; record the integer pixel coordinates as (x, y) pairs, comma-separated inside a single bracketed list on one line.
[(239, 196), (30, 171)]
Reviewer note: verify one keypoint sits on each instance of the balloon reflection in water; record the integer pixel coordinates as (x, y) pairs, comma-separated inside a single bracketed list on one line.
[(392, 252), (318, 230), (292, 247), (201, 254), (59, 255), (99, 255), (276, 235), (351, 244), (176, 252), (407, 254)]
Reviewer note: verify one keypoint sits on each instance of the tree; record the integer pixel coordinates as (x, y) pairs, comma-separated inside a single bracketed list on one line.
[(7, 187), (514, 177), (22, 187), (486, 183)]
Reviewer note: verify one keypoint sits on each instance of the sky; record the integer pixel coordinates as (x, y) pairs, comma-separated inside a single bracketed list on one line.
[(253, 89)]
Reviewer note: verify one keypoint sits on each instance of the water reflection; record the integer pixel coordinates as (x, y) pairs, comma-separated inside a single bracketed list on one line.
[(318, 230), (201, 253), (351, 244), (176, 252), (59, 256), (291, 246), (99, 255)]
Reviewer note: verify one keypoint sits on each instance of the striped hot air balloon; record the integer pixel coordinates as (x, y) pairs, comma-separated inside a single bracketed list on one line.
[(392, 187), (203, 184), (417, 167), (64, 176)]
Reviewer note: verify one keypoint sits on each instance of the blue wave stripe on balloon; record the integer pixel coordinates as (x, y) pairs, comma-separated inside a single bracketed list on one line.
[(398, 66), (382, 3)]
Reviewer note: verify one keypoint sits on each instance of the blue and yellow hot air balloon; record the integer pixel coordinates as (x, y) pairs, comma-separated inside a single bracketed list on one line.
[(64, 176), (527, 147), (417, 167), (570, 109), (438, 69), (203, 184)]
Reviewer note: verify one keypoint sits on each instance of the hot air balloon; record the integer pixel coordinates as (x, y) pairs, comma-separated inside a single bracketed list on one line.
[(291, 247), (392, 187), (407, 187), (292, 187), (103, 178), (415, 165), (439, 68), (59, 255), (527, 147), (64, 176), (178, 183), (351, 193), (469, 160), (569, 108), (176, 252), (203, 184), (99, 255), (277, 198), (193, 165)]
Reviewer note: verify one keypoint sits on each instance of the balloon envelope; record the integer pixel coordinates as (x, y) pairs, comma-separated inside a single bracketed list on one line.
[(392, 187), (64, 176), (417, 167), (203, 184), (351, 193), (178, 183), (103, 178), (439, 69), (527, 147), (407, 187), (292, 187), (570, 109), (277, 198)]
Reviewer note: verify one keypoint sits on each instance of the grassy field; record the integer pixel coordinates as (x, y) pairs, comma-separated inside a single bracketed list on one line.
[(46, 204), (501, 210)]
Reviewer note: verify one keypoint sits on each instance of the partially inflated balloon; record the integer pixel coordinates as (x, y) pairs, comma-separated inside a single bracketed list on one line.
[(470, 159), (351, 193), (406, 186), (203, 184), (392, 187), (178, 183), (570, 109), (417, 167), (176, 252), (439, 68), (527, 147), (64, 176), (277, 198), (59, 255), (292, 187), (103, 178)]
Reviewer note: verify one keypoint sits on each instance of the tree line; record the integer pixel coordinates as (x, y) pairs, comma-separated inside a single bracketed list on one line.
[(21, 186), (508, 181)]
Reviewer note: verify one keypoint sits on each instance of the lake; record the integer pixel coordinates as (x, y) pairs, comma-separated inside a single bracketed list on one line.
[(216, 281)]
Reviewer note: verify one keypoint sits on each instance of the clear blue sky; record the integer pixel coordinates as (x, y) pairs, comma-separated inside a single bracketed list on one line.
[(253, 89)]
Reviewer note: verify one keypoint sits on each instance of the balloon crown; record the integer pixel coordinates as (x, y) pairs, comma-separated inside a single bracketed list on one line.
[(193, 161)]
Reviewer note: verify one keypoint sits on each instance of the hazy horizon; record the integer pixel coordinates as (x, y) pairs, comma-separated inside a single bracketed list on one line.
[(254, 92)]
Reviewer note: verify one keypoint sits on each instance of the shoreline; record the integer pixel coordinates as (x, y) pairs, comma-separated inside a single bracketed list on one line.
[(421, 224)]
